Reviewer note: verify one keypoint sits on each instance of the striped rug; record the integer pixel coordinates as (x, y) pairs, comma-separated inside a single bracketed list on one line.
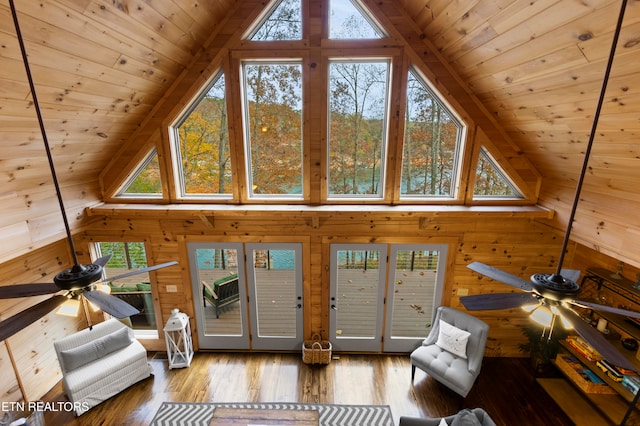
[(191, 414)]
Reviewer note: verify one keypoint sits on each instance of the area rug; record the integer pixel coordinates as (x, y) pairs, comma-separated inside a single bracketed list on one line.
[(191, 414)]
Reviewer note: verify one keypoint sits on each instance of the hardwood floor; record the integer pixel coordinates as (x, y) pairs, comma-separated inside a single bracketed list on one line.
[(505, 389)]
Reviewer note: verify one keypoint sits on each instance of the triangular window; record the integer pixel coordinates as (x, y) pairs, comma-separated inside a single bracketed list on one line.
[(492, 181), (145, 182), (282, 22), (348, 20)]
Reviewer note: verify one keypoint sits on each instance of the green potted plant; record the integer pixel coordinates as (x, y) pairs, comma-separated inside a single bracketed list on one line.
[(541, 349)]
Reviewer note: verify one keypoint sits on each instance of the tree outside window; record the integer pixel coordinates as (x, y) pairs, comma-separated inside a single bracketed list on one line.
[(273, 128), (357, 127), (202, 140), (431, 144)]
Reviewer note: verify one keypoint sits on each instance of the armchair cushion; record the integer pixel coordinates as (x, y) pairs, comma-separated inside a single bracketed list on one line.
[(452, 339)]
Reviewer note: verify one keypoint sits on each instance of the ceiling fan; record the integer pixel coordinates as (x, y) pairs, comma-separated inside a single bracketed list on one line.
[(79, 280), (557, 292)]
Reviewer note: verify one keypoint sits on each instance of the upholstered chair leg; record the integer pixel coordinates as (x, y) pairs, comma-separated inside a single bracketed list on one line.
[(413, 372)]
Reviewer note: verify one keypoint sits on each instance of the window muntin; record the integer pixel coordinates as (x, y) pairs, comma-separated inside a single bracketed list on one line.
[(432, 143), (358, 109), (273, 128), (201, 145)]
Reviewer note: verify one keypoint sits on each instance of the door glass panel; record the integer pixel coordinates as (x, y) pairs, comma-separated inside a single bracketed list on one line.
[(414, 287), (275, 283), (416, 279), (358, 278), (218, 268)]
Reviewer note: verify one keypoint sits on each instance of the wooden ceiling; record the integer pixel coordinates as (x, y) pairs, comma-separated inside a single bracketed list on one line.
[(102, 67)]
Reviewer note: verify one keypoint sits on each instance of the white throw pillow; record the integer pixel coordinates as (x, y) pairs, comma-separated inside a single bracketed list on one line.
[(452, 339)]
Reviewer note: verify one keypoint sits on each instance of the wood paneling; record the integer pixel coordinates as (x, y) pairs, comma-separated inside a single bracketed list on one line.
[(99, 70), (520, 245), (27, 359), (110, 77), (538, 68), (104, 73)]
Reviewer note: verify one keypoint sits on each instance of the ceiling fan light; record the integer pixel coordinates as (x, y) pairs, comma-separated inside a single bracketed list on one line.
[(565, 323), (542, 316), (530, 308), (69, 308)]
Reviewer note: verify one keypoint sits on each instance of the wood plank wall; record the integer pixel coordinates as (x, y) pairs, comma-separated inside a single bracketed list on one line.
[(27, 359), (505, 240)]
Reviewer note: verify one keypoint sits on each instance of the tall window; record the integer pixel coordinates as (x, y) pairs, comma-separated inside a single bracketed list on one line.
[(273, 128), (358, 93), (431, 144), (202, 144)]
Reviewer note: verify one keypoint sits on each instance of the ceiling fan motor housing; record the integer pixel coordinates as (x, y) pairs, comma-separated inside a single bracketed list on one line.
[(78, 276), (554, 286)]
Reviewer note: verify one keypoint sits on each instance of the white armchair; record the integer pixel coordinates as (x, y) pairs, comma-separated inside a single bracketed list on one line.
[(452, 352)]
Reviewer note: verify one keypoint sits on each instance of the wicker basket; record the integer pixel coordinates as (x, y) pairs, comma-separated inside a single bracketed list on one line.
[(316, 351)]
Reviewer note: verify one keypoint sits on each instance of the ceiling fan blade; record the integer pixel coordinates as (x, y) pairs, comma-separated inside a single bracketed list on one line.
[(596, 339), (142, 271), (111, 304), (27, 290), (493, 301), (103, 260), (570, 274), (499, 275), (13, 324), (596, 306)]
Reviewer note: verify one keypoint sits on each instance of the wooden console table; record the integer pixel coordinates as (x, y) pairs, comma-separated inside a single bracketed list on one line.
[(250, 416)]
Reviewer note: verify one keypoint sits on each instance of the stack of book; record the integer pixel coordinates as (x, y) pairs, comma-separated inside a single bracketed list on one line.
[(583, 348), (632, 383)]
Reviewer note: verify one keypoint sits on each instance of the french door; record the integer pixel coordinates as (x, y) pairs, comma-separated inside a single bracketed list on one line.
[(383, 297), (267, 312), (275, 294)]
